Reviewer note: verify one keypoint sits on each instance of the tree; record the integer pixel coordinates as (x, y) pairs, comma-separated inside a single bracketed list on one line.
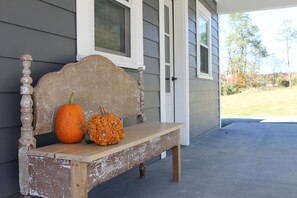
[(244, 47), (288, 37), (276, 65)]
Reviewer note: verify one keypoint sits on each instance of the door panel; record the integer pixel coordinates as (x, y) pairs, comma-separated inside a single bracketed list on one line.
[(169, 61)]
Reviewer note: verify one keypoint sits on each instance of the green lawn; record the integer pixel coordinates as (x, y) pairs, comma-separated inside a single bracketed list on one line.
[(260, 103)]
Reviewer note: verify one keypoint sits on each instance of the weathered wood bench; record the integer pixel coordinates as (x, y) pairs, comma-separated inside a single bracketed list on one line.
[(71, 170)]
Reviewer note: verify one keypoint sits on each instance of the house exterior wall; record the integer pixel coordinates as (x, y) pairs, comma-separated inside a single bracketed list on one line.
[(151, 59), (47, 30), (204, 93)]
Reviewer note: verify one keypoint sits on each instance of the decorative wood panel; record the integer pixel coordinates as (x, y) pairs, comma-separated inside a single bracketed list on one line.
[(96, 81)]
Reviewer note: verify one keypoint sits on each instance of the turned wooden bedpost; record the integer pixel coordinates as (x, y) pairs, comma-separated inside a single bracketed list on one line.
[(27, 140), (141, 117)]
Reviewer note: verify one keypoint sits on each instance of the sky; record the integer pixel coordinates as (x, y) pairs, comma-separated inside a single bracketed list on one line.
[(269, 24)]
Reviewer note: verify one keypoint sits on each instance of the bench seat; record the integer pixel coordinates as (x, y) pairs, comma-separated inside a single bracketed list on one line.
[(71, 170)]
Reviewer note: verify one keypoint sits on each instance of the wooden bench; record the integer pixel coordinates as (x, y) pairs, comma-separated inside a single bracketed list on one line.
[(71, 170)]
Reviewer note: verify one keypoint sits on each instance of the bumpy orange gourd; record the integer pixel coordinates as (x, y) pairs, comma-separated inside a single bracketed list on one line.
[(105, 129), (70, 122)]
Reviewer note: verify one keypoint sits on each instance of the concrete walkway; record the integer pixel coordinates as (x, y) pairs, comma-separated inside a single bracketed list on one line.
[(242, 160)]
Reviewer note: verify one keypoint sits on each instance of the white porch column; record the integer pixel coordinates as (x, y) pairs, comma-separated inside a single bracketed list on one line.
[(181, 42)]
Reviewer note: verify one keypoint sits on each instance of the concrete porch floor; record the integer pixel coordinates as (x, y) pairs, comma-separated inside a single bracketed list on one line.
[(242, 160)]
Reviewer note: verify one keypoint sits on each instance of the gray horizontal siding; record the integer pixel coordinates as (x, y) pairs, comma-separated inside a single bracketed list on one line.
[(152, 99), (192, 61), (192, 37), (151, 48), (215, 61), (203, 125), (192, 49), (151, 82), (10, 110), (30, 12), (9, 178), (150, 13), (13, 70), (67, 5), (10, 137), (197, 85), (43, 46), (151, 62), (46, 30), (152, 65), (152, 31), (192, 25), (152, 3), (152, 114), (151, 59), (204, 94), (192, 4)]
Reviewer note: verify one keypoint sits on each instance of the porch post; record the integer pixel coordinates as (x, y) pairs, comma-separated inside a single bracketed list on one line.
[(27, 140), (181, 43)]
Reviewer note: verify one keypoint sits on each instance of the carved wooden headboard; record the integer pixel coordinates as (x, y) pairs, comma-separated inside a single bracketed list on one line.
[(96, 81)]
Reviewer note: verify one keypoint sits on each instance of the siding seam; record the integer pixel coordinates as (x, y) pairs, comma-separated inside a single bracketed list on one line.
[(10, 161), (152, 56), (150, 40), (151, 23), (38, 30), (149, 6), (54, 5), (34, 60), (17, 126)]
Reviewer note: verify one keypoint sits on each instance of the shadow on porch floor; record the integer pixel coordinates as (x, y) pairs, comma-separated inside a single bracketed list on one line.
[(242, 160)]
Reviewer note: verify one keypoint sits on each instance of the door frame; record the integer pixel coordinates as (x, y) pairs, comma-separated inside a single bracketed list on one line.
[(181, 64)]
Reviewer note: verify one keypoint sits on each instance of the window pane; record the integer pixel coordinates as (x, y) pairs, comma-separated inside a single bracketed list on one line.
[(203, 30), (167, 79), (167, 49), (112, 27), (203, 59), (166, 19)]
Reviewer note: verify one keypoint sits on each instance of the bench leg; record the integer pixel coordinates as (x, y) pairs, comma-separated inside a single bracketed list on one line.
[(79, 182), (176, 172), (176, 160), (142, 170)]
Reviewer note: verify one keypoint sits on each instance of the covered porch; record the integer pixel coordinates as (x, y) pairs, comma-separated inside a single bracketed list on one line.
[(242, 160), (232, 6)]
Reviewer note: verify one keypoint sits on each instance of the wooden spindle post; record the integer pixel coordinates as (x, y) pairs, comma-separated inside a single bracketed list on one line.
[(27, 140), (141, 116)]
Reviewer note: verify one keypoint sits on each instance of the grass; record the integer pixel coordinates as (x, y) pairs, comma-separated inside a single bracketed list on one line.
[(260, 103)]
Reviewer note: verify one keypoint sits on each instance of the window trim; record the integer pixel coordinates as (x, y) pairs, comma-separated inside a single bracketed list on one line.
[(203, 12), (86, 39)]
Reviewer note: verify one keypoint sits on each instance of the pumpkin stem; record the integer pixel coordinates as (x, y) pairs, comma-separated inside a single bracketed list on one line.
[(71, 99)]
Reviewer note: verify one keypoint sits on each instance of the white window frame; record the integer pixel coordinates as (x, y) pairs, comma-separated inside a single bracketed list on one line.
[(86, 36), (202, 11)]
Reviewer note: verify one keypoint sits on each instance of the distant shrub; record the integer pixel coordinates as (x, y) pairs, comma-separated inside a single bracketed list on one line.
[(282, 82), (229, 89), (285, 83), (294, 81)]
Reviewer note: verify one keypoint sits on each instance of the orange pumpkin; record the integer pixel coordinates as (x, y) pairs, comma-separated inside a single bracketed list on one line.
[(70, 122), (105, 129)]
